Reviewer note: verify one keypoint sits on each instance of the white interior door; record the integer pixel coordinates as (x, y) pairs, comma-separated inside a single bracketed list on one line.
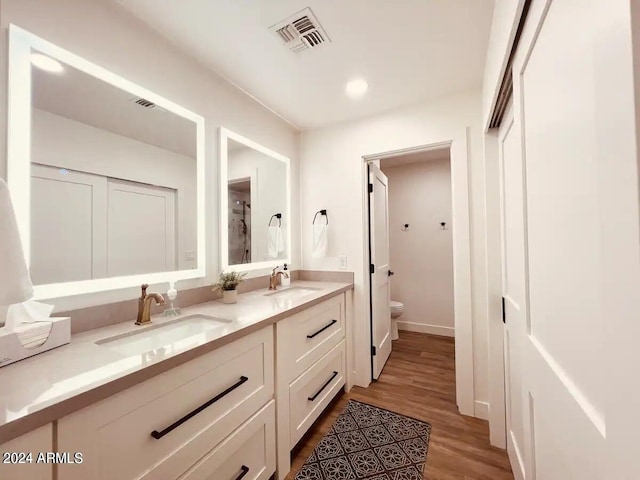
[(380, 287), (68, 225), (570, 224), (513, 289), (141, 228)]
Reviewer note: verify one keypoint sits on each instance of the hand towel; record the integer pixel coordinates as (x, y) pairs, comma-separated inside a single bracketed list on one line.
[(320, 240), (275, 241), (27, 312), (15, 283)]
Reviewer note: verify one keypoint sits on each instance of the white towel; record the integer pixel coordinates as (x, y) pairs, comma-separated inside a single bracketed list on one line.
[(15, 283), (320, 240), (275, 241)]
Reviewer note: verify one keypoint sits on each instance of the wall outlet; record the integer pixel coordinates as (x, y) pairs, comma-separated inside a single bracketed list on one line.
[(342, 262)]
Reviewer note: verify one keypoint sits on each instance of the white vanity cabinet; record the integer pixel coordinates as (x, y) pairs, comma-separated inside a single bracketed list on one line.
[(311, 370), (182, 423), (21, 457)]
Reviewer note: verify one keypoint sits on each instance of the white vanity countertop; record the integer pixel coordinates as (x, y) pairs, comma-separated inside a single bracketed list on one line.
[(46, 387)]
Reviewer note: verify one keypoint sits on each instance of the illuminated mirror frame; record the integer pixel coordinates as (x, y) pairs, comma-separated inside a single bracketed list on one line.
[(225, 136), (21, 44)]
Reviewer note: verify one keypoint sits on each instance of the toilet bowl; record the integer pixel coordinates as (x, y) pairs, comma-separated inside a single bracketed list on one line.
[(396, 310)]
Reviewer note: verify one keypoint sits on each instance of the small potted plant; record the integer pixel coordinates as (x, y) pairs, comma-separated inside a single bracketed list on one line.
[(228, 283)]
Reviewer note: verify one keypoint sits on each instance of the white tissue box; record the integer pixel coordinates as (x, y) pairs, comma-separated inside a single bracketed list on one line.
[(12, 350)]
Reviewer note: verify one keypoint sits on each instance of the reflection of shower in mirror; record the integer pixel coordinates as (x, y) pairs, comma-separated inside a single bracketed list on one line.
[(239, 221)]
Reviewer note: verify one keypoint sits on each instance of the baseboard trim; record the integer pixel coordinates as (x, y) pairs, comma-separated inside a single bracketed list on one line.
[(481, 410), (425, 328)]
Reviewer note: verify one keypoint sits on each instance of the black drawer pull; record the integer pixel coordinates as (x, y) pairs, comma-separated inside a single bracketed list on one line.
[(245, 470), (158, 435), (323, 329), (311, 399)]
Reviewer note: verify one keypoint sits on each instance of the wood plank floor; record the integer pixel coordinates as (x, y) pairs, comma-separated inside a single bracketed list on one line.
[(419, 381)]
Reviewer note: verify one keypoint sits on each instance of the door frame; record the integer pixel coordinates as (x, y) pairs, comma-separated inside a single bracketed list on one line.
[(461, 231)]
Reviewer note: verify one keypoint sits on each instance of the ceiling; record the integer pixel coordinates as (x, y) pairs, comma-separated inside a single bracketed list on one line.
[(407, 50), (81, 97), (415, 157)]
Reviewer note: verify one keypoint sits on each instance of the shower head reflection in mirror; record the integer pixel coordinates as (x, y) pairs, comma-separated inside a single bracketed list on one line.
[(254, 183), (107, 177)]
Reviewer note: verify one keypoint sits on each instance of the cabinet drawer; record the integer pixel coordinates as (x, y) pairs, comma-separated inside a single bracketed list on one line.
[(249, 453), (189, 409), (310, 394), (310, 334), (33, 443)]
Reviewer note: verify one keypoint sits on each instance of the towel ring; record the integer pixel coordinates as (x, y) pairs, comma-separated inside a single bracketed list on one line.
[(278, 216), (323, 213)]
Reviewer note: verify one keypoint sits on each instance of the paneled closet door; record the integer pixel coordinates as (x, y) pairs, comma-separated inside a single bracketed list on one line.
[(577, 321), (513, 289)]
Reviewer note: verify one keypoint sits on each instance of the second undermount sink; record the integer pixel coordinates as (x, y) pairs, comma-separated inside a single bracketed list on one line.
[(292, 292), (163, 335)]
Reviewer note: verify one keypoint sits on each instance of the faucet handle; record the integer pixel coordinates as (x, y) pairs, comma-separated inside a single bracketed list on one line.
[(143, 289)]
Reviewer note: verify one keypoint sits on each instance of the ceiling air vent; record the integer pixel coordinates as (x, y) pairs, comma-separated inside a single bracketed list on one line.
[(143, 102), (301, 31)]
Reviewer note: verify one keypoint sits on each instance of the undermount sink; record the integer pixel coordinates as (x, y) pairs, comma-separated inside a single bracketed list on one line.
[(163, 335), (292, 292)]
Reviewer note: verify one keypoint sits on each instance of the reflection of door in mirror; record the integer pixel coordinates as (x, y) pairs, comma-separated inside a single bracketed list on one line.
[(113, 182), (239, 221), (88, 226)]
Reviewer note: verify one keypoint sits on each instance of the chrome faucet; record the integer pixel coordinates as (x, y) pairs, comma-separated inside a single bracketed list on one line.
[(275, 276), (144, 305)]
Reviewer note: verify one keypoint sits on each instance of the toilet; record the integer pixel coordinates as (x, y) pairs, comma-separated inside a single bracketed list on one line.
[(396, 310)]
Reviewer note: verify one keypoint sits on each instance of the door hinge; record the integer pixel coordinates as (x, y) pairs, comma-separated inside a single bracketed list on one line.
[(504, 314), (373, 350), (371, 188), (372, 268)]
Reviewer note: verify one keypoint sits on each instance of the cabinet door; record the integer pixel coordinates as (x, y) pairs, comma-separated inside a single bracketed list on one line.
[(15, 464), (160, 428)]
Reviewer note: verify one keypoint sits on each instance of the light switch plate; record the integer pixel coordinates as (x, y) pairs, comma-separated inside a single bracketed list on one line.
[(342, 262)]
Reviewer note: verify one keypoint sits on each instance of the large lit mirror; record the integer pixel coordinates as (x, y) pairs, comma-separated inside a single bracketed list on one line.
[(255, 204), (107, 178)]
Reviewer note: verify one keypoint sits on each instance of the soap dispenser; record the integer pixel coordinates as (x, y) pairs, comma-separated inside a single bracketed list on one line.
[(285, 281), (172, 293)]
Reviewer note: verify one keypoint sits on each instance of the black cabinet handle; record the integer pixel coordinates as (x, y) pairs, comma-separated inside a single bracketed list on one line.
[(311, 399), (244, 471), (391, 273), (158, 435), (323, 329)]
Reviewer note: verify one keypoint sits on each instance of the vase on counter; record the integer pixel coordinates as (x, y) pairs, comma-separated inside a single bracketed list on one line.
[(230, 296)]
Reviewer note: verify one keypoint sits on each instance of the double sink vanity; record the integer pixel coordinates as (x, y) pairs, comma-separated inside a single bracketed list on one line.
[(220, 392), (116, 191)]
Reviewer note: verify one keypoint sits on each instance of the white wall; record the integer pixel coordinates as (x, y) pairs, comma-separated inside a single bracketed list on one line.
[(506, 16), (270, 197), (103, 33), (332, 179), (61, 142), (422, 255)]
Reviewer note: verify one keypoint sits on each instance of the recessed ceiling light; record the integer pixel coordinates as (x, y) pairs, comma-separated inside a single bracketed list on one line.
[(46, 63), (357, 88)]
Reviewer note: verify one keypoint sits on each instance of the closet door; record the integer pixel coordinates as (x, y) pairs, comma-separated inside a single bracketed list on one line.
[(68, 225), (142, 228), (574, 105)]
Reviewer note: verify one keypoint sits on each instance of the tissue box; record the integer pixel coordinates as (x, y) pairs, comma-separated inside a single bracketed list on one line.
[(12, 350)]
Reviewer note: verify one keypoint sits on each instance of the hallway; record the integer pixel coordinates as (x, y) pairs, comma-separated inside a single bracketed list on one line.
[(419, 381)]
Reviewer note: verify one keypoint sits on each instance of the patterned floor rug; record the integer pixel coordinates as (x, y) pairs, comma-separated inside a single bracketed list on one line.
[(367, 442)]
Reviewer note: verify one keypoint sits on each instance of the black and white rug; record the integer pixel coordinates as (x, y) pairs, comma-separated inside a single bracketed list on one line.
[(367, 442)]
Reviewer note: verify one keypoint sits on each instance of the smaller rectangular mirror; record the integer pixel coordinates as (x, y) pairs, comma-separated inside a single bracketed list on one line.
[(255, 204)]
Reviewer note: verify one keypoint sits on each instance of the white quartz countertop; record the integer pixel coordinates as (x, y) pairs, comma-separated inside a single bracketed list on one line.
[(46, 387)]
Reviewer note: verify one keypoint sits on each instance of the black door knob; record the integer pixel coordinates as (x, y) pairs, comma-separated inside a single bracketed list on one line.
[(390, 273)]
